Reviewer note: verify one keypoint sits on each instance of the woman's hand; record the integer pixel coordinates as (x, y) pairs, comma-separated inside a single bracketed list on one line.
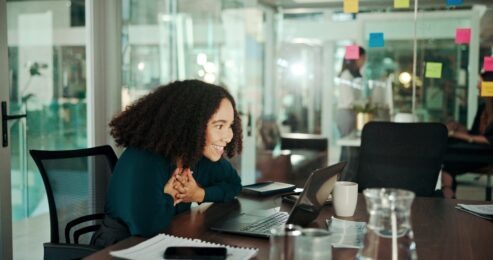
[(455, 127), (187, 188), (471, 138), (169, 186)]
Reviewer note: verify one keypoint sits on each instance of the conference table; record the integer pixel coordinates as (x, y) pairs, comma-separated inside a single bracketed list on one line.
[(441, 231)]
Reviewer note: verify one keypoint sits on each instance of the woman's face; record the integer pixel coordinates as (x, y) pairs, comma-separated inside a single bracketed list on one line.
[(219, 131), (361, 61)]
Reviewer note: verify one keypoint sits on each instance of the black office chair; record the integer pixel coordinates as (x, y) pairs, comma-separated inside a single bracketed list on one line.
[(75, 183), (402, 155)]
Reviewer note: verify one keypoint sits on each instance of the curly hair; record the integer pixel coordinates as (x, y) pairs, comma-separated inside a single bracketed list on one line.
[(172, 121)]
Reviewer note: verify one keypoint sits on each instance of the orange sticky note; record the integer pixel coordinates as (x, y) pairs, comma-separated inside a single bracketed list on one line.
[(433, 70), (463, 35), (352, 52), (487, 88), (351, 6), (401, 3)]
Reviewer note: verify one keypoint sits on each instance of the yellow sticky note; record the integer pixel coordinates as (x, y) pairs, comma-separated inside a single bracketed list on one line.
[(351, 6), (401, 3), (433, 70), (487, 89)]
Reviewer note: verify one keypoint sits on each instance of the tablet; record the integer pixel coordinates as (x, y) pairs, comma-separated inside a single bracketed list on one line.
[(268, 188)]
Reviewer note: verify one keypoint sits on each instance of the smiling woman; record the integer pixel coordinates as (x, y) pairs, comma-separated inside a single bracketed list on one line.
[(219, 131), (175, 139)]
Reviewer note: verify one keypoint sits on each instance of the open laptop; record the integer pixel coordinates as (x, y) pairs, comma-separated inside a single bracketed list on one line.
[(317, 188)]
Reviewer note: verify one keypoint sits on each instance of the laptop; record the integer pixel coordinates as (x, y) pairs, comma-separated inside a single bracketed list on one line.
[(258, 223)]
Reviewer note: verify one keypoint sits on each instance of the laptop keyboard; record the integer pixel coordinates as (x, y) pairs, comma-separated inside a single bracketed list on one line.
[(263, 226)]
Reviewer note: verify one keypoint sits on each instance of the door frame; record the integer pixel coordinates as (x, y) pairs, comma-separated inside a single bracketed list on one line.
[(5, 199)]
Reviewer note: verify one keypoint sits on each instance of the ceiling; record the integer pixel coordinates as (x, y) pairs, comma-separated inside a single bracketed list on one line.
[(486, 33)]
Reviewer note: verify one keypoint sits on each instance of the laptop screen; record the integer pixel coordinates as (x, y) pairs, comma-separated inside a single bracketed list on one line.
[(317, 189)]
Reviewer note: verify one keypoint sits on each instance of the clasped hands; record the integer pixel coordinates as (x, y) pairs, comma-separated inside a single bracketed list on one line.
[(183, 187)]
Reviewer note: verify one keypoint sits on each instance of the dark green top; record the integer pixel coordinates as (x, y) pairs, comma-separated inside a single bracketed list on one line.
[(136, 189)]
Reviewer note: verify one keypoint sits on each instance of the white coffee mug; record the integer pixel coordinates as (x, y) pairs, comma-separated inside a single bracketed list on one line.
[(345, 197)]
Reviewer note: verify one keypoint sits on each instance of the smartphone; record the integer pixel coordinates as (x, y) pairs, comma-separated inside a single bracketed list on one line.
[(191, 252)]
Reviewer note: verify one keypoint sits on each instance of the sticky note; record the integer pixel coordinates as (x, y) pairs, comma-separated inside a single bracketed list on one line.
[(455, 2), (351, 6), (376, 40), (463, 35), (487, 88), (488, 64), (401, 3), (433, 70), (352, 52)]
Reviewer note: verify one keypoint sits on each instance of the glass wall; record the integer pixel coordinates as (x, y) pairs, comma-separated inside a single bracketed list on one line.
[(220, 42), (47, 69), (312, 41)]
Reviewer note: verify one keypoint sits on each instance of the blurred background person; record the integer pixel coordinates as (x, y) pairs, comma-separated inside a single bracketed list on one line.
[(351, 92), (481, 132)]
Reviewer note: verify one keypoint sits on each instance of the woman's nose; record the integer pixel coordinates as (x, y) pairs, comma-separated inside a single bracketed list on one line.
[(228, 136)]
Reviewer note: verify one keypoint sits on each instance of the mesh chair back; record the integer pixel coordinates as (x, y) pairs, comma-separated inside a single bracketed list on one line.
[(402, 155), (75, 183)]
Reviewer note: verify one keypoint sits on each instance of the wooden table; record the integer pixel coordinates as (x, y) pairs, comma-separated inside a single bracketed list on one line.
[(441, 231)]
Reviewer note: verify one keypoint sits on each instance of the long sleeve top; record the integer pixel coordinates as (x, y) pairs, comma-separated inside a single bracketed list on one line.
[(488, 133), (350, 90), (136, 189)]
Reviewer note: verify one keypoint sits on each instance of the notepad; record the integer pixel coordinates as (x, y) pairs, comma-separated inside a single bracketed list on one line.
[(483, 211), (154, 248)]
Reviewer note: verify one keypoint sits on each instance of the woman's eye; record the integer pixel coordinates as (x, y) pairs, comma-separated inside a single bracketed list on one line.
[(219, 127)]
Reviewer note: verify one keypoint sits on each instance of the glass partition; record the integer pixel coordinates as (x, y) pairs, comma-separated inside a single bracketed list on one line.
[(220, 42), (322, 31), (46, 52)]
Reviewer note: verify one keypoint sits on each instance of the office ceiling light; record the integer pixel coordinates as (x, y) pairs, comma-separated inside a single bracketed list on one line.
[(405, 78), (201, 58), (141, 66), (210, 67), (210, 78), (297, 69)]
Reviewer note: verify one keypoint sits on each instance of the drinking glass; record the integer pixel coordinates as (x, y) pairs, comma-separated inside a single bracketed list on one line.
[(282, 241), (314, 244), (389, 234)]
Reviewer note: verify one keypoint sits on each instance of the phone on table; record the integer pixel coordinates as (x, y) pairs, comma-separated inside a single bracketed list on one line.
[(192, 252)]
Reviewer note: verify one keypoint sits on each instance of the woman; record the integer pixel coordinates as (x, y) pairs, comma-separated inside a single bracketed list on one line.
[(350, 92), (175, 138), (480, 133)]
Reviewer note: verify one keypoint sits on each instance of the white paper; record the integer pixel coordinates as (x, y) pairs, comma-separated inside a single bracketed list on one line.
[(345, 233), (484, 211), (153, 248)]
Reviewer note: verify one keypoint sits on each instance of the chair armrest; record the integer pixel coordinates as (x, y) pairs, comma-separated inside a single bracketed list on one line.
[(78, 221), (67, 251)]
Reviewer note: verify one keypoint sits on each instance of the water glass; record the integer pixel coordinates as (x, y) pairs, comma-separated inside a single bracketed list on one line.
[(282, 241), (314, 243), (388, 234)]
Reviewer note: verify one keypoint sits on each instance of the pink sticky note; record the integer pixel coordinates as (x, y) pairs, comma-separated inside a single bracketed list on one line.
[(488, 64), (352, 52), (463, 35)]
